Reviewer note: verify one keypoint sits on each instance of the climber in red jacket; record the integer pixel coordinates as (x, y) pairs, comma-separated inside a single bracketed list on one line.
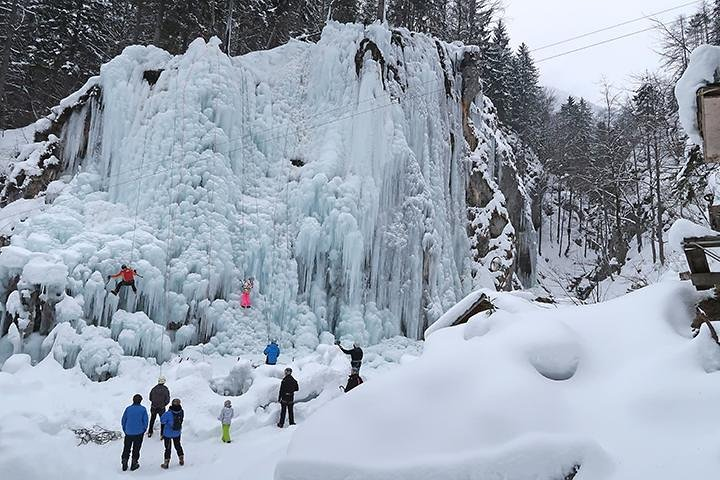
[(128, 279)]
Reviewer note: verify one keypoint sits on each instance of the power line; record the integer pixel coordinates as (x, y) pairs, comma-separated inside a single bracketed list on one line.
[(603, 42), (612, 27)]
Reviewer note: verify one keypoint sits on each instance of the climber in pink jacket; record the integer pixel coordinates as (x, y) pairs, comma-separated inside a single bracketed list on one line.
[(245, 297)]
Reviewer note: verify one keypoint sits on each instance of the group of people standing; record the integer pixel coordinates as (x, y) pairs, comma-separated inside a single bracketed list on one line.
[(135, 424)]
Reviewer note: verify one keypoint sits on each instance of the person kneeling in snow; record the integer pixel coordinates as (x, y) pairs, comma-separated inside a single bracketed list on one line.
[(171, 422), (225, 417), (353, 380), (128, 279), (286, 397), (159, 399), (271, 352), (134, 422)]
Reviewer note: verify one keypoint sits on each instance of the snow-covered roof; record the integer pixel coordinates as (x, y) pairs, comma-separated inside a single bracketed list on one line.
[(701, 71)]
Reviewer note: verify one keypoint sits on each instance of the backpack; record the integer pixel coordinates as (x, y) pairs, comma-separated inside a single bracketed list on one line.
[(177, 421)]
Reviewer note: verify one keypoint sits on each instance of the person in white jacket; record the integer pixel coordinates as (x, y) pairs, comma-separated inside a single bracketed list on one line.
[(225, 417)]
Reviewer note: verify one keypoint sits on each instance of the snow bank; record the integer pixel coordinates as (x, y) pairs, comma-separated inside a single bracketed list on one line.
[(611, 388)]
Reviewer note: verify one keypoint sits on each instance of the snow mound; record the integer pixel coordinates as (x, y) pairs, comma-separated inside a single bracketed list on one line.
[(16, 363), (610, 389)]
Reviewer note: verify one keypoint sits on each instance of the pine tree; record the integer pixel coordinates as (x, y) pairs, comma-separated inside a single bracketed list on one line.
[(344, 11), (715, 23), (369, 12), (430, 16), (524, 112), (497, 71)]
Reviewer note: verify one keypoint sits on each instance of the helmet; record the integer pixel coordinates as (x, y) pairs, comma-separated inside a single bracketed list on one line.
[(123, 266), (288, 371)]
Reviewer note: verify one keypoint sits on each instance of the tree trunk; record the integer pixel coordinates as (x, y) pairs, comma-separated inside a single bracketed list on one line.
[(7, 48), (561, 225), (638, 207), (652, 197), (159, 18), (559, 206), (381, 11), (569, 224), (139, 4), (658, 227)]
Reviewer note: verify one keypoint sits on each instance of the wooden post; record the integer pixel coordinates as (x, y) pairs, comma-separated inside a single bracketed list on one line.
[(381, 11)]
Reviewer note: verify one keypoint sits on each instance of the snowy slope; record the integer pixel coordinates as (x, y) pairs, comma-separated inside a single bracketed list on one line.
[(336, 174), (619, 389), (40, 405)]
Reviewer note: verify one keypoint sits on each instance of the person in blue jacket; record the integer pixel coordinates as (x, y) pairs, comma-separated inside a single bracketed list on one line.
[(134, 424), (171, 423), (272, 352)]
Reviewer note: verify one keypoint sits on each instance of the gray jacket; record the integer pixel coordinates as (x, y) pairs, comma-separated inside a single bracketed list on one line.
[(226, 415)]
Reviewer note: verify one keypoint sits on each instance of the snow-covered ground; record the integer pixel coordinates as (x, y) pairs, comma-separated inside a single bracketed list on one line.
[(530, 391), (40, 404)]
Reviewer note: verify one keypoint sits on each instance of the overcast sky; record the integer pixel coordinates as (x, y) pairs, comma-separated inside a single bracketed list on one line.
[(542, 22)]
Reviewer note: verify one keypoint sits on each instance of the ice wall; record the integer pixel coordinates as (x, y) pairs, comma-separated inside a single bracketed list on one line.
[(336, 174)]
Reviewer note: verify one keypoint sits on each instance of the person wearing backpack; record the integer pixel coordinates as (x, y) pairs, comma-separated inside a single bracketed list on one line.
[(171, 423), (225, 417), (353, 380)]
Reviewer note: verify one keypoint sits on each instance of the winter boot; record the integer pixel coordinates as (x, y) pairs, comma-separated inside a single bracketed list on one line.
[(165, 464), (124, 466), (134, 466), (182, 459)]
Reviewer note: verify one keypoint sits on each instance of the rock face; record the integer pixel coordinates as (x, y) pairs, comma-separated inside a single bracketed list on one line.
[(363, 181)]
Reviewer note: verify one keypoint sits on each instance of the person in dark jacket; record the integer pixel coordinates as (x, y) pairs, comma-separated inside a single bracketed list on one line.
[(353, 380), (272, 352), (171, 423), (356, 355), (134, 422), (286, 397), (159, 399)]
